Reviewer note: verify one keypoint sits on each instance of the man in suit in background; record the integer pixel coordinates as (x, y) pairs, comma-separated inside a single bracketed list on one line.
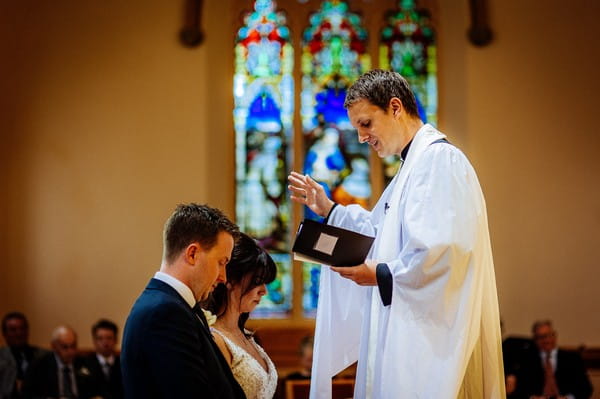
[(168, 350), (549, 372), (305, 350), (104, 363), (16, 356), (60, 374)]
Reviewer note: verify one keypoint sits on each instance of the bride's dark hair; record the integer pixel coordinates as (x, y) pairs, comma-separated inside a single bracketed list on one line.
[(250, 266)]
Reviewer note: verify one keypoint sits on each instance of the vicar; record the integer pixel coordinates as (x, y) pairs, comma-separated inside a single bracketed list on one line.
[(422, 316)]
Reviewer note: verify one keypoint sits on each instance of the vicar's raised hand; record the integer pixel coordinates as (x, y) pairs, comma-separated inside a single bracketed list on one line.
[(304, 190), (363, 274)]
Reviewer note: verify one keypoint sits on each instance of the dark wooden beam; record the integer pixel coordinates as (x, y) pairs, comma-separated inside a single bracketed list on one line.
[(191, 35), (479, 33)]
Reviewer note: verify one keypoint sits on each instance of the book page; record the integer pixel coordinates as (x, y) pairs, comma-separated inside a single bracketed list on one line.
[(326, 243), (304, 258)]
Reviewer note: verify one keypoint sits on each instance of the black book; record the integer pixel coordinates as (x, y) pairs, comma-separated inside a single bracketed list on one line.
[(322, 243)]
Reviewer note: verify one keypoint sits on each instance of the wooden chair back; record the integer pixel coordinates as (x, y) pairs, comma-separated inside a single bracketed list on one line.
[(341, 388)]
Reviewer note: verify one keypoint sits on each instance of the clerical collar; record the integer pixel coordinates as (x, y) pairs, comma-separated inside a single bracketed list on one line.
[(404, 152)]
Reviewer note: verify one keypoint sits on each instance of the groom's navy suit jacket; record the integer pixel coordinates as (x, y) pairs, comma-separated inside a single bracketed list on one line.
[(168, 352)]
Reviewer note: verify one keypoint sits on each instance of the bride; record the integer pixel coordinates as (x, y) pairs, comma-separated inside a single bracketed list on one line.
[(248, 272)]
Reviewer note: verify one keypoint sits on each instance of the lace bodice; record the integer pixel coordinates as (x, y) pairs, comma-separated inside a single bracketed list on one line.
[(252, 377)]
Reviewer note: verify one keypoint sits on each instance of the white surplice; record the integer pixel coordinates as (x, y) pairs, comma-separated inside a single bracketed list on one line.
[(440, 337)]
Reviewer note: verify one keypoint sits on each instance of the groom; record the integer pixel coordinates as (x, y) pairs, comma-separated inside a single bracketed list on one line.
[(167, 350)]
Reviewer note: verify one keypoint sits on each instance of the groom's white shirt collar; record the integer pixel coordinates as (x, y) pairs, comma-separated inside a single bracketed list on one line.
[(182, 289)]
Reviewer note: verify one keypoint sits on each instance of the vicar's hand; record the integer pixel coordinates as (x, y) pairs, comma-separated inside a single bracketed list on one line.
[(363, 274), (308, 192)]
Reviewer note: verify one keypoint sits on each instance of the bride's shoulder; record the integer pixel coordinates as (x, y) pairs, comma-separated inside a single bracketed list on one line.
[(220, 341)]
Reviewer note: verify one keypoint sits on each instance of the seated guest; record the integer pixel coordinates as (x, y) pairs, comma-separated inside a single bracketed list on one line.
[(514, 350), (16, 356), (248, 272), (104, 364), (60, 374), (549, 372), (306, 354)]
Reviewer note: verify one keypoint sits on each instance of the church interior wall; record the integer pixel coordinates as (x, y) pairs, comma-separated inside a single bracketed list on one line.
[(107, 122)]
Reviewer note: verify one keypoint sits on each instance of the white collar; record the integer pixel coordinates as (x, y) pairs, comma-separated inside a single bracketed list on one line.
[(552, 353), (182, 289), (60, 363), (105, 360)]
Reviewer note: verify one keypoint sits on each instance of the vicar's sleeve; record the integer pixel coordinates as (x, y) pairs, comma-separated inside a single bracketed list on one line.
[(440, 216), (326, 220), (385, 283), (352, 217)]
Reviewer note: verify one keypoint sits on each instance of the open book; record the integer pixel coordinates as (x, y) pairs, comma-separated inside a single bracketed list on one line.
[(329, 245)]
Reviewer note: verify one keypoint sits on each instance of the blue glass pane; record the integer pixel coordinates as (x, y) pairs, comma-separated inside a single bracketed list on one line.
[(311, 275)]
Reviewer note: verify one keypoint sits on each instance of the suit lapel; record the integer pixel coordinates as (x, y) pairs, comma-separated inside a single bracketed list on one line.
[(206, 331), (203, 330), (224, 365), (52, 375), (95, 363), (202, 318)]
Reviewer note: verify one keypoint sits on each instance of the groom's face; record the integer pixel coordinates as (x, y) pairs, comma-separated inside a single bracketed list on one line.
[(210, 266)]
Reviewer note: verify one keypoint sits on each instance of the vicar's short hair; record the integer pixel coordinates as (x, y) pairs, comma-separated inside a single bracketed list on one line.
[(379, 87), (194, 223)]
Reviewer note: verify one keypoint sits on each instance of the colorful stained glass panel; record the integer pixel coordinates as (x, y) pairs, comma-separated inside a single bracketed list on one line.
[(263, 116), (278, 301), (334, 55), (407, 46)]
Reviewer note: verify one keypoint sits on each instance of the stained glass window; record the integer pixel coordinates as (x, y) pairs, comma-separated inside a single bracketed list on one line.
[(263, 117), (408, 47), (334, 54)]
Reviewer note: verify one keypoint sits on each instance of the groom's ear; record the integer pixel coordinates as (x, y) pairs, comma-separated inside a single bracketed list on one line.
[(192, 253)]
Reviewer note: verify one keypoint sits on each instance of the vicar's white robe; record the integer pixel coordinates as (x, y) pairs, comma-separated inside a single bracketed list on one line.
[(440, 337)]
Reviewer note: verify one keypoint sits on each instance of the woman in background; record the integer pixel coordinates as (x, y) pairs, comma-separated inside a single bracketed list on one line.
[(248, 272)]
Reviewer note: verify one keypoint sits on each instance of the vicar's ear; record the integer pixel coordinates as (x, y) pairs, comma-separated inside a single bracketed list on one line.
[(395, 106)]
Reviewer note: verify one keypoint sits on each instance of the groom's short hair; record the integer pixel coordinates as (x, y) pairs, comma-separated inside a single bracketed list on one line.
[(194, 223)]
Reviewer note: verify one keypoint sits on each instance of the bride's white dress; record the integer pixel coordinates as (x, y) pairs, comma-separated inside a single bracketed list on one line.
[(252, 377)]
